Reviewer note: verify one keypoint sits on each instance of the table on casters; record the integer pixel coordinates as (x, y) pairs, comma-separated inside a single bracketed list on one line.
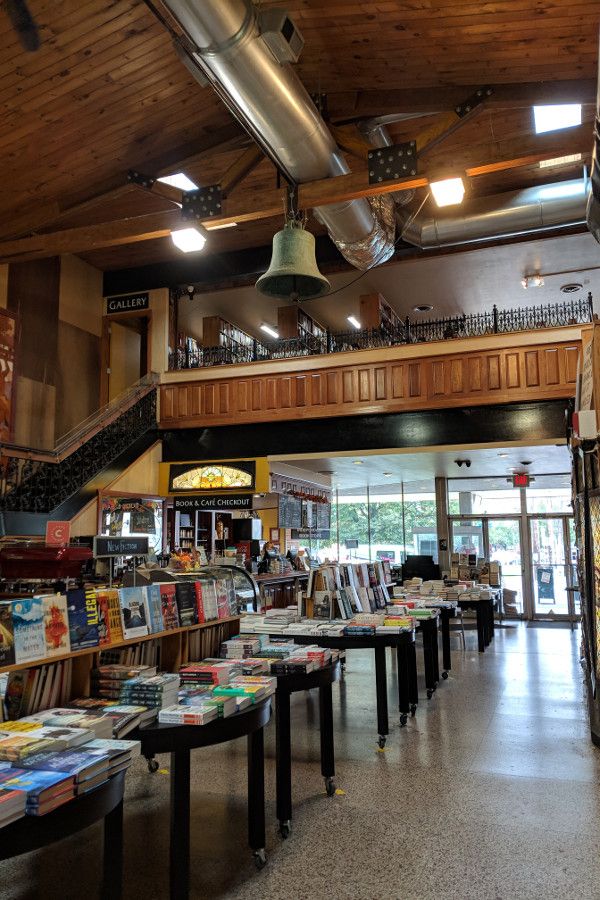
[(404, 642), (485, 620), (105, 802), (286, 686), (179, 740), (429, 630)]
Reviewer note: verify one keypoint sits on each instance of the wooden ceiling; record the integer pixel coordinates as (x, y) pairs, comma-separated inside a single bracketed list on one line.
[(106, 93)]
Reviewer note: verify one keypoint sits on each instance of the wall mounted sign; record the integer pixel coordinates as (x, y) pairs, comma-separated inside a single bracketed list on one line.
[(221, 476), (120, 546), (213, 501), (520, 480), (57, 533), (309, 534), (127, 303)]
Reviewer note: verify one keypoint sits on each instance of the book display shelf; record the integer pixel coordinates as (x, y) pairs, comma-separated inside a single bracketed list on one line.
[(292, 322), (375, 312), (218, 332)]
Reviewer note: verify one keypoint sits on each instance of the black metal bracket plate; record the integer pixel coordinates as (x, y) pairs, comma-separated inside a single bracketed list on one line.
[(393, 162), (202, 203), (134, 177), (480, 96)]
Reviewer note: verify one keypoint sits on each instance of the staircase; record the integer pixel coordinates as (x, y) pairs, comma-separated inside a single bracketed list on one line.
[(38, 485)]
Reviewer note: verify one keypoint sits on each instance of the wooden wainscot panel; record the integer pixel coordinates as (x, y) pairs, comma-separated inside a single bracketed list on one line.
[(511, 375)]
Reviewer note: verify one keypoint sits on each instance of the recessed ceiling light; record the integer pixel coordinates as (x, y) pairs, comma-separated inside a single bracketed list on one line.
[(269, 330), (571, 288), (448, 192), (560, 160), (423, 307), (179, 180), (189, 240), (358, 462), (387, 474), (532, 281), (503, 455), (556, 116), (354, 321)]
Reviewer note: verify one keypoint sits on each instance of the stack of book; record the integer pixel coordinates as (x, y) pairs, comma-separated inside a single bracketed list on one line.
[(66, 717), (107, 681), (43, 791), (12, 805), (240, 647), (208, 672), (157, 691)]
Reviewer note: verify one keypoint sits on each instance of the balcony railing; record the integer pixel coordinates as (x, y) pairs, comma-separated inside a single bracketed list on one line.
[(495, 321)]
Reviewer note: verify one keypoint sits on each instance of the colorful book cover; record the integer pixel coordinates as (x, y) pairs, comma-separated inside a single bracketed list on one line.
[(56, 624), (170, 613), (186, 603), (155, 608), (133, 612), (79, 764), (222, 588), (28, 629), (13, 699), (104, 635), (199, 601), (7, 641), (82, 610), (38, 785), (209, 600)]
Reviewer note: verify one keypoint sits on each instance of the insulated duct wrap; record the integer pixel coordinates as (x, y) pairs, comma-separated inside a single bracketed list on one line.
[(270, 101), (593, 202), (378, 246)]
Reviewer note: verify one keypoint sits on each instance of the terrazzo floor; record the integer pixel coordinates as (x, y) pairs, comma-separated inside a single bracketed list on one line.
[(491, 791)]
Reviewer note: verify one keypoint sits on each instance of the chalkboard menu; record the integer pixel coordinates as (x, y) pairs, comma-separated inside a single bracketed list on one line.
[(323, 516), (290, 512)]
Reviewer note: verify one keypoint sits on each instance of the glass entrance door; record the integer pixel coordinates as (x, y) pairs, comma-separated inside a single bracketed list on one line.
[(551, 567), (504, 542)]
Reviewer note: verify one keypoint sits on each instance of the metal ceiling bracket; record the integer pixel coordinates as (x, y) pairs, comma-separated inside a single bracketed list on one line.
[(202, 203), (145, 181), (480, 96), (393, 162)]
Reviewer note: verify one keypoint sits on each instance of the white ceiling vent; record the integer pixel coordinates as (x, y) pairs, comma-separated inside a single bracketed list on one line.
[(280, 35)]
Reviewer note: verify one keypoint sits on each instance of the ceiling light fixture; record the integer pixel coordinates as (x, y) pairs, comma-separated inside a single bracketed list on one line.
[(221, 227), (179, 180), (423, 307), (358, 462), (448, 192), (189, 240), (503, 455), (560, 160), (571, 288), (532, 281), (526, 462), (354, 321), (387, 474), (270, 331), (556, 116)]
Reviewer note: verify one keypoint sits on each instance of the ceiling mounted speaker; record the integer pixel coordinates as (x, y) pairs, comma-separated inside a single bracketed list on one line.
[(293, 273)]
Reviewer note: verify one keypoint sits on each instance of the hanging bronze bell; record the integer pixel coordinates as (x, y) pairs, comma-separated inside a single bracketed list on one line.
[(293, 273)]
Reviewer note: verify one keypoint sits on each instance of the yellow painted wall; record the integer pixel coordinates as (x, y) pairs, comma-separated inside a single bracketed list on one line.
[(125, 349), (80, 295), (268, 518), (159, 341)]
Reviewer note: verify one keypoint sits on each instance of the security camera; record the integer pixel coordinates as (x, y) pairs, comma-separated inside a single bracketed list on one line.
[(190, 291), (458, 462), (468, 463)]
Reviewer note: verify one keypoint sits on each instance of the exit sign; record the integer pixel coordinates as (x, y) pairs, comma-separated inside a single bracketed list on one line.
[(520, 480)]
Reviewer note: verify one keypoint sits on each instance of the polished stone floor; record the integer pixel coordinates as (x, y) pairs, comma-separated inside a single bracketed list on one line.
[(491, 791)]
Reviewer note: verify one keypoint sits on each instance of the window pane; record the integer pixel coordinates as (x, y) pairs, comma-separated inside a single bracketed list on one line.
[(550, 494), (467, 537), (353, 517), (482, 496)]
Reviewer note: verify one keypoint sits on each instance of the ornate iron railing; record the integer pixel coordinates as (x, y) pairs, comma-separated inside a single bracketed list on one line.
[(495, 321), (36, 484)]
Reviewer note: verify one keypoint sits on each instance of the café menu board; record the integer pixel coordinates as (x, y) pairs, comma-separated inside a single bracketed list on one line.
[(290, 511), (323, 516)]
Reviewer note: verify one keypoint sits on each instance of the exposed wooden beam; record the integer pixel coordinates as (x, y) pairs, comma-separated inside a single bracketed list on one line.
[(361, 104), (244, 164)]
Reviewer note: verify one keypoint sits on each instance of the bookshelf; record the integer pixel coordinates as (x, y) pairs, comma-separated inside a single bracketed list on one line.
[(376, 312), (218, 332), (293, 322)]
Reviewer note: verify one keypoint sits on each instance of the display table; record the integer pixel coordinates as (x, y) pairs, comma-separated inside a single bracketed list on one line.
[(404, 643), (485, 620), (179, 740), (286, 686), (106, 802), (429, 630)]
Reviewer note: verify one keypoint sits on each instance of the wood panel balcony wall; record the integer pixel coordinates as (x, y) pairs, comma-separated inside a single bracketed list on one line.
[(479, 371)]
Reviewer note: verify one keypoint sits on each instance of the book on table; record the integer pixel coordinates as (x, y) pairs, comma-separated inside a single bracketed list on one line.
[(44, 790)]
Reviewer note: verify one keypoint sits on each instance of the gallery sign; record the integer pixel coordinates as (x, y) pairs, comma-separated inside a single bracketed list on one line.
[(127, 303), (213, 501)]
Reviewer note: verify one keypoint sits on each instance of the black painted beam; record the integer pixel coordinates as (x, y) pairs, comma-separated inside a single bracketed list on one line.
[(537, 421)]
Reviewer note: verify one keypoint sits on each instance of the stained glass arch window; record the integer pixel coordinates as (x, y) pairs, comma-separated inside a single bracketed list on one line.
[(212, 477)]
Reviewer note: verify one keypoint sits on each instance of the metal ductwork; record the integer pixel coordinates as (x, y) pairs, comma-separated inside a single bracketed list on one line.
[(593, 203), (534, 209), (267, 97)]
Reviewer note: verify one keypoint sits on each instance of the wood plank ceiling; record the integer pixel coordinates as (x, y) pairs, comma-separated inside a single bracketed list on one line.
[(106, 93)]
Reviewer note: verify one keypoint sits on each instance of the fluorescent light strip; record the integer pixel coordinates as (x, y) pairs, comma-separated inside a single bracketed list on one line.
[(354, 321), (269, 330), (179, 180), (210, 227), (560, 160)]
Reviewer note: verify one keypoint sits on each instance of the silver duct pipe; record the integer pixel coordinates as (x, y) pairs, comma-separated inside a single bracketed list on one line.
[(274, 106), (500, 216)]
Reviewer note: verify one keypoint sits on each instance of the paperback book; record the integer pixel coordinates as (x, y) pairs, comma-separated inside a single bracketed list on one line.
[(7, 641), (28, 629), (56, 625), (168, 601), (185, 593), (133, 612), (154, 609), (83, 619)]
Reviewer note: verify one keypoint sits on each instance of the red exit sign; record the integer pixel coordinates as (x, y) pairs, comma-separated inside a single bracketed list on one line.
[(520, 480)]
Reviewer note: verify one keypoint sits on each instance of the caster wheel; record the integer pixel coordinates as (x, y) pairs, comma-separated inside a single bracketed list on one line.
[(260, 859), (152, 766), (444, 675), (429, 693), (413, 710), (403, 720), (381, 741), (285, 829), (330, 787)]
